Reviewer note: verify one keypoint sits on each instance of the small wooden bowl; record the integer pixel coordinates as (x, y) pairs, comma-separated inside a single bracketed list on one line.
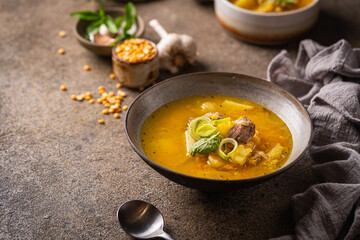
[(80, 30)]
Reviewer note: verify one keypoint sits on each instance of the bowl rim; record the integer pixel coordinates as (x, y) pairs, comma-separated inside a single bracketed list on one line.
[(199, 179), (134, 63), (270, 14), (139, 20)]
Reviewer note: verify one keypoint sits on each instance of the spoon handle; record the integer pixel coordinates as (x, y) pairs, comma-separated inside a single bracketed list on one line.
[(166, 236)]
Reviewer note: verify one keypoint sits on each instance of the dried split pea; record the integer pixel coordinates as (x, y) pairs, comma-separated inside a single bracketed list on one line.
[(116, 115), (105, 111), (125, 107), (73, 96), (62, 34), (101, 121), (87, 68), (136, 50), (121, 93), (91, 101), (118, 85), (63, 88), (61, 51), (112, 76), (80, 97)]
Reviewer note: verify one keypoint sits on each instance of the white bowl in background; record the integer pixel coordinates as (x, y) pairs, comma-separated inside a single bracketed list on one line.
[(266, 28)]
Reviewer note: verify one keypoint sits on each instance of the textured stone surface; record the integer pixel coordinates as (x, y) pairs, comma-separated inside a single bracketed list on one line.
[(63, 176)]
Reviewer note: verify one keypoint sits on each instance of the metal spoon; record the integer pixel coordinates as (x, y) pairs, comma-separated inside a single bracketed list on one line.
[(142, 220)]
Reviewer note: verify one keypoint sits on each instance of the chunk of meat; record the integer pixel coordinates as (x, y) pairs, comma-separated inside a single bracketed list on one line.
[(212, 115), (242, 131)]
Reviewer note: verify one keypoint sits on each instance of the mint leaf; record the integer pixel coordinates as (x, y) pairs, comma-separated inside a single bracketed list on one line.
[(101, 11), (118, 22), (206, 145), (86, 15), (109, 23), (130, 16), (93, 27)]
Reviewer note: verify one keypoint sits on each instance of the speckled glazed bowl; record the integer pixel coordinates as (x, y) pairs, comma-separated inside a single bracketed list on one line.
[(266, 28), (267, 94)]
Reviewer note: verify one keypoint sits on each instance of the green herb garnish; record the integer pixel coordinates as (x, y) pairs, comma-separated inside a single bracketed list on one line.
[(96, 19), (130, 19), (206, 145)]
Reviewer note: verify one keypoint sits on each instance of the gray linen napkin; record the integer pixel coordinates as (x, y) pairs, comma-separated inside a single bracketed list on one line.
[(327, 81)]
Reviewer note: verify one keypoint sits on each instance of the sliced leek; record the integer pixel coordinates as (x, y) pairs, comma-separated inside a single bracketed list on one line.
[(206, 130), (195, 124), (226, 141), (220, 121)]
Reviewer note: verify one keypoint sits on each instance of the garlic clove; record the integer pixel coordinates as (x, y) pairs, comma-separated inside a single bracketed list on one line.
[(103, 30), (175, 50)]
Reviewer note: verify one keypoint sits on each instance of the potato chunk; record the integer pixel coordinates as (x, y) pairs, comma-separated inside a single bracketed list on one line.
[(241, 154)]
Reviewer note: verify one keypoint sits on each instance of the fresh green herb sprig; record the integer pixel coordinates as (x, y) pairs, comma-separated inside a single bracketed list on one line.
[(96, 19), (206, 145), (130, 19)]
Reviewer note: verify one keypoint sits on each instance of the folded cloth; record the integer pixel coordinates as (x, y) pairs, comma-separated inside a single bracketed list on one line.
[(327, 81)]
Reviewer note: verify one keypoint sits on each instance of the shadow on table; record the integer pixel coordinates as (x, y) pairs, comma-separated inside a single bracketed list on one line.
[(330, 28), (259, 212)]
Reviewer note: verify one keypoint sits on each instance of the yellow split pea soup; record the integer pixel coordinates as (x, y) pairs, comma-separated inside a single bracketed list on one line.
[(216, 137), (264, 6)]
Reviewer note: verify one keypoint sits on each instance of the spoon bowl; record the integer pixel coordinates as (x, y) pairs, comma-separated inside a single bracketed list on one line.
[(141, 220)]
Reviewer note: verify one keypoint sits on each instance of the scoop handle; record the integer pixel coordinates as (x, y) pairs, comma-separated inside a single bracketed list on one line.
[(166, 236), (158, 28)]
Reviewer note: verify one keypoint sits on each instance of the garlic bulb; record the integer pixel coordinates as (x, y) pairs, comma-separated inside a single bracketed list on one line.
[(175, 50)]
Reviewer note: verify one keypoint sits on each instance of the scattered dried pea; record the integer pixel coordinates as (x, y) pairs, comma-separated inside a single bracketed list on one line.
[(87, 68), (80, 97), (62, 34), (61, 51), (101, 121), (118, 85), (111, 101), (63, 88), (112, 76), (125, 107)]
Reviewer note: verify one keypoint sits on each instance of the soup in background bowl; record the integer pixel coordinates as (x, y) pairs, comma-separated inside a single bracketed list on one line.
[(277, 103), (259, 24)]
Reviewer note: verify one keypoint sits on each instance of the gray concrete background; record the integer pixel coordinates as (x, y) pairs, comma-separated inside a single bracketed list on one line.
[(63, 176)]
